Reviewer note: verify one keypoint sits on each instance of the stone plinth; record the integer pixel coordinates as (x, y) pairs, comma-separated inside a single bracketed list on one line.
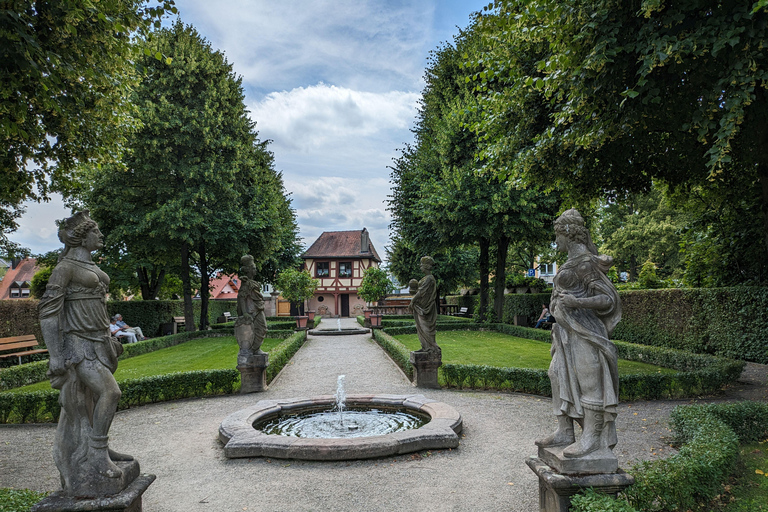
[(599, 462), (253, 374), (128, 500), (425, 365), (556, 489)]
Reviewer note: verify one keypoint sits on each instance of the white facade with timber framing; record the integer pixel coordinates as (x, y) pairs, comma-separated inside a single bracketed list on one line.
[(337, 260)]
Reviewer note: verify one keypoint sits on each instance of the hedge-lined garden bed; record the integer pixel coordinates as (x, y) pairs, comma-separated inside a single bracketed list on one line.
[(727, 322), (40, 406), (709, 436), (696, 373)]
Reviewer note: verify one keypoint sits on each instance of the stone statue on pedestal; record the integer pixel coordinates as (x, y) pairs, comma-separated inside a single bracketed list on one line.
[(584, 368), (83, 357), (427, 360), (250, 329)]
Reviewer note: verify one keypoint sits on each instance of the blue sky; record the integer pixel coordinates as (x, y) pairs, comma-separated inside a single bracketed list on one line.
[(334, 85)]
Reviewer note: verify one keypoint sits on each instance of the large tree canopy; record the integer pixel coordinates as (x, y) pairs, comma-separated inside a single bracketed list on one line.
[(636, 91), (65, 74), (196, 183)]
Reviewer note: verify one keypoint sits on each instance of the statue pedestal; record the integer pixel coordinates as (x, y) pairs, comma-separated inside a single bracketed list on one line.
[(556, 489), (253, 374), (127, 500), (425, 367)]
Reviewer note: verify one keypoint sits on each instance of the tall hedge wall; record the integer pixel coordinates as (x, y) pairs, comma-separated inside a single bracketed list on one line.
[(727, 322), (19, 316)]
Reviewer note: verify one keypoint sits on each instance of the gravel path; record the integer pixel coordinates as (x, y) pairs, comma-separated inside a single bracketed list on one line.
[(177, 441)]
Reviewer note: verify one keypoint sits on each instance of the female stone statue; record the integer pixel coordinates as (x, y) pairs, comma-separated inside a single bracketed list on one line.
[(584, 368), (83, 357), (251, 323), (424, 309)]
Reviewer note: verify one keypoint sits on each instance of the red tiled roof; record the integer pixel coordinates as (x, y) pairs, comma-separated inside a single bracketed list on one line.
[(217, 284), (23, 272), (340, 244)]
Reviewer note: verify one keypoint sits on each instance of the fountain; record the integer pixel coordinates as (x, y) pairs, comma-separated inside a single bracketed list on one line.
[(339, 330), (340, 427)]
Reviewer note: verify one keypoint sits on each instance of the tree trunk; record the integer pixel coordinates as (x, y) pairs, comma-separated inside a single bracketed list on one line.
[(484, 271), (150, 282), (189, 312), (204, 287), (633, 268), (502, 246)]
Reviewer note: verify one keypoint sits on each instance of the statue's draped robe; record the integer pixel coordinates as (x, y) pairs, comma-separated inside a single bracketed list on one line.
[(425, 313), (585, 329), (251, 323), (84, 334)]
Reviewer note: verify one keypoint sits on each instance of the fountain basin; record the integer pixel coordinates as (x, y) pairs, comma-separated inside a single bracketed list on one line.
[(241, 439), (339, 332)]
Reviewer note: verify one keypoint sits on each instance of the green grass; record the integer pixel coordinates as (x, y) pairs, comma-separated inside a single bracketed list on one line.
[(505, 351), (748, 491), (200, 354), (19, 500)]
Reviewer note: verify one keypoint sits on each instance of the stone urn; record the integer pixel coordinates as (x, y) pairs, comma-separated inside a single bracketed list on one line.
[(301, 323), (310, 316), (521, 289)]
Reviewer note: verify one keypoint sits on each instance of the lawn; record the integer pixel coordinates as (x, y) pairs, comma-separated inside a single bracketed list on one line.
[(505, 351), (748, 489), (200, 354)]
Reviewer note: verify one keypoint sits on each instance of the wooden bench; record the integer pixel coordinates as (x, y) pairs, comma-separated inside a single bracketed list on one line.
[(178, 321), (16, 343), (463, 312)]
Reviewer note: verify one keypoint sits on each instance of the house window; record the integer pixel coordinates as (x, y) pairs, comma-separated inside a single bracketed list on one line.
[(25, 293), (322, 270), (15, 294), (345, 269), (546, 269)]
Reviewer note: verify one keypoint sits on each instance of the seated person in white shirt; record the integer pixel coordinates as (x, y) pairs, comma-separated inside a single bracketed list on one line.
[(127, 328), (119, 332)]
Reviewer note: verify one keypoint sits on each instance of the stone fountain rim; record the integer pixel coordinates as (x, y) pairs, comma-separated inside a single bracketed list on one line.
[(339, 332), (236, 432)]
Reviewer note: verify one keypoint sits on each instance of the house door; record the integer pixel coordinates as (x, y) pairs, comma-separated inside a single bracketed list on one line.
[(344, 305)]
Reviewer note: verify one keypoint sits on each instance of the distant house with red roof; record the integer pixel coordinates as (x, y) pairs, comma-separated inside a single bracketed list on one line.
[(17, 280), (337, 260), (224, 287)]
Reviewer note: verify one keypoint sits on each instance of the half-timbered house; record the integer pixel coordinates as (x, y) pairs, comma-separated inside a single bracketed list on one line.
[(337, 260)]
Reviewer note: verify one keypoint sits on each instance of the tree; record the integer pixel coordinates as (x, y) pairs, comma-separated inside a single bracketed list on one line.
[(296, 286), (375, 285), (67, 69), (635, 92), (197, 188)]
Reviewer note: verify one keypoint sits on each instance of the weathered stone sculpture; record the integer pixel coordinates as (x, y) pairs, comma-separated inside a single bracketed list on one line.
[(427, 360), (583, 372), (250, 329), (83, 357)]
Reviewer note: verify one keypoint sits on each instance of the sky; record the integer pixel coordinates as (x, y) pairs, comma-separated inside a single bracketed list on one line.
[(333, 84)]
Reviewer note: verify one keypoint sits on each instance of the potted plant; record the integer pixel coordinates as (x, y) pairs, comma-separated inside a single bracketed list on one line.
[(297, 286), (536, 284), (373, 288), (517, 282)]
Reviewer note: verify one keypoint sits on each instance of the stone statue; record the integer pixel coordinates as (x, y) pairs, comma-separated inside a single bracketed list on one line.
[(251, 323), (250, 330), (584, 368), (83, 357), (424, 309)]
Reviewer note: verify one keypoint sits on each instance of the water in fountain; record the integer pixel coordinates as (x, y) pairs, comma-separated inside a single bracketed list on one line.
[(341, 397), (340, 422), (338, 324)]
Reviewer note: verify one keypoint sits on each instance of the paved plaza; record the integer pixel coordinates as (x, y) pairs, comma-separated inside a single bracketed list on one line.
[(177, 441)]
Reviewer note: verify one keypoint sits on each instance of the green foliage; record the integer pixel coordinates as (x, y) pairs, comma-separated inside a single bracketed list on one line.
[(19, 317), (399, 353), (591, 501), (19, 500), (40, 281), (296, 286), (23, 374), (648, 278), (282, 354), (515, 280), (67, 71), (375, 285)]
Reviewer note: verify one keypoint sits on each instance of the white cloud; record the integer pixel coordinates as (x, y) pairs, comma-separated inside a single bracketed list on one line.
[(311, 118)]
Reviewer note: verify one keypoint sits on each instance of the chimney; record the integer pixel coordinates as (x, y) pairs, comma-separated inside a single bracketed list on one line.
[(364, 243)]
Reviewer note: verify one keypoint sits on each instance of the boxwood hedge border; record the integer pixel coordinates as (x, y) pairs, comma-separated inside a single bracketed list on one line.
[(43, 406), (697, 373)]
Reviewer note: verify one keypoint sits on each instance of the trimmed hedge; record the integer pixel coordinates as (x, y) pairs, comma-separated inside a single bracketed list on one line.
[(44, 405), (727, 322), (697, 373), (399, 353), (710, 436)]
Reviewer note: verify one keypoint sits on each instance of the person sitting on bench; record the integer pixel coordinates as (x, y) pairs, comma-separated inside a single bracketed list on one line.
[(120, 332), (544, 317), (128, 328)]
